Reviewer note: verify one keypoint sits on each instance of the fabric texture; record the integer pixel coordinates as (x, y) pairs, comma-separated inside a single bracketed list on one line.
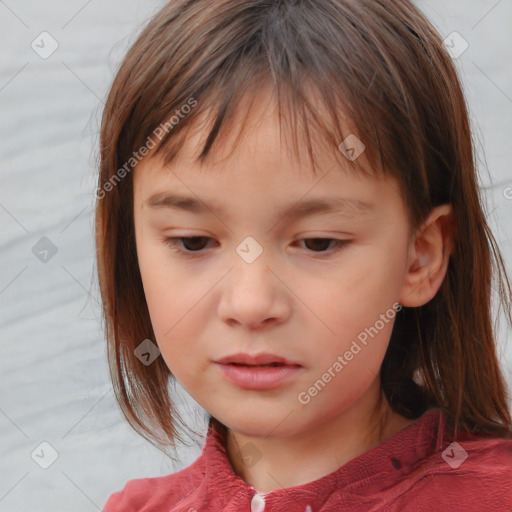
[(419, 469)]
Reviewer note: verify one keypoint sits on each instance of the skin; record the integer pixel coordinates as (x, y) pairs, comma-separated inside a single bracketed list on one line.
[(300, 300)]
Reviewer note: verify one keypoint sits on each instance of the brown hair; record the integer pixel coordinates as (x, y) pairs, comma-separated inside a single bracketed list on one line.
[(382, 63)]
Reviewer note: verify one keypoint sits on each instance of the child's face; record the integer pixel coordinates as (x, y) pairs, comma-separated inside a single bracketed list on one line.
[(299, 299)]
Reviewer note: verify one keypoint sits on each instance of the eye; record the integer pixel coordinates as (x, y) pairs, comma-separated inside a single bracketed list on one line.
[(318, 243), (194, 245)]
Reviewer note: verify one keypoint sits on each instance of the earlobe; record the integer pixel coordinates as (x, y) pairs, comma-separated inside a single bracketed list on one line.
[(429, 255)]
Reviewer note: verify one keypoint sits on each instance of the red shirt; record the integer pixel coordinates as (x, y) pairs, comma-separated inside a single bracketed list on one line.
[(418, 470)]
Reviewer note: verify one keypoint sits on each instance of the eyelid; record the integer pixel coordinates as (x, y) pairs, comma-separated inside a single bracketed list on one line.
[(173, 242)]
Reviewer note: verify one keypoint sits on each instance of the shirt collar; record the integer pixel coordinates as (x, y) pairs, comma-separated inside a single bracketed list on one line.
[(393, 457)]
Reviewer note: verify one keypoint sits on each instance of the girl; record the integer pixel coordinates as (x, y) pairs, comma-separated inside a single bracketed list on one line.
[(327, 302)]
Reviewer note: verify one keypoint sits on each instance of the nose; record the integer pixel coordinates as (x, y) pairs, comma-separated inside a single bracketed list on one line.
[(254, 296)]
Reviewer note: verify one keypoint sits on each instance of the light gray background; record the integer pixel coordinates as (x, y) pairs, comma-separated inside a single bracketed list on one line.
[(54, 378)]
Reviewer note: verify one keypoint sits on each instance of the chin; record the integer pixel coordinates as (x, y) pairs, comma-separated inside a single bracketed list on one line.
[(254, 425)]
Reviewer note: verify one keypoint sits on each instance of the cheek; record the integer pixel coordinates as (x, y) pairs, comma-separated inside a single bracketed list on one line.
[(178, 321), (174, 302), (357, 292), (176, 312), (355, 311)]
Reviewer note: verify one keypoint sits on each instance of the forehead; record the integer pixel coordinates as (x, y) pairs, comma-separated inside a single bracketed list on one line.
[(259, 124), (255, 159)]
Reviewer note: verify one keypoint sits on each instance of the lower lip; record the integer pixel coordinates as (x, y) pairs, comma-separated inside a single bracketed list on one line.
[(258, 377)]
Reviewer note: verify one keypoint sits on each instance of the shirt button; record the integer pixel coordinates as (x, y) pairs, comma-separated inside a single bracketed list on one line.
[(257, 503)]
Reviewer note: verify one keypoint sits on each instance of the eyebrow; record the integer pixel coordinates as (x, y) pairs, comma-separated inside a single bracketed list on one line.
[(339, 205)]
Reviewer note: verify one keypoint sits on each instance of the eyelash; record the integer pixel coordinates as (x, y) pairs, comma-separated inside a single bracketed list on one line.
[(173, 244)]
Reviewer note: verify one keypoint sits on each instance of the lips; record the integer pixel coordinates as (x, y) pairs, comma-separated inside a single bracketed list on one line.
[(260, 360), (259, 372)]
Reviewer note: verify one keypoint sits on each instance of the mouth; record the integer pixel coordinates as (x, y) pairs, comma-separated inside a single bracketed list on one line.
[(263, 360), (270, 365), (258, 377)]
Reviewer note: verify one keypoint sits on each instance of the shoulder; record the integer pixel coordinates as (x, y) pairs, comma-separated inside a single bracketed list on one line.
[(157, 493), (470, 475)]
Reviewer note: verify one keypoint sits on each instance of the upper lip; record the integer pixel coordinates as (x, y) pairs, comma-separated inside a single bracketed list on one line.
[(256, 359)]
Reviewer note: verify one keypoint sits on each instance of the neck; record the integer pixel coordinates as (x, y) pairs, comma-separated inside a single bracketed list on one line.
[(319, 450)]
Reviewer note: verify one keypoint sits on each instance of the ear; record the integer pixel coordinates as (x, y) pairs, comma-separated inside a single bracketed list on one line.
[(429, 254)]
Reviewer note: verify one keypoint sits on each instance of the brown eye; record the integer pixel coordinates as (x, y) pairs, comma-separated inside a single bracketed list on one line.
[(194, 243), (321, 246), (187, 244), (318, 244)]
